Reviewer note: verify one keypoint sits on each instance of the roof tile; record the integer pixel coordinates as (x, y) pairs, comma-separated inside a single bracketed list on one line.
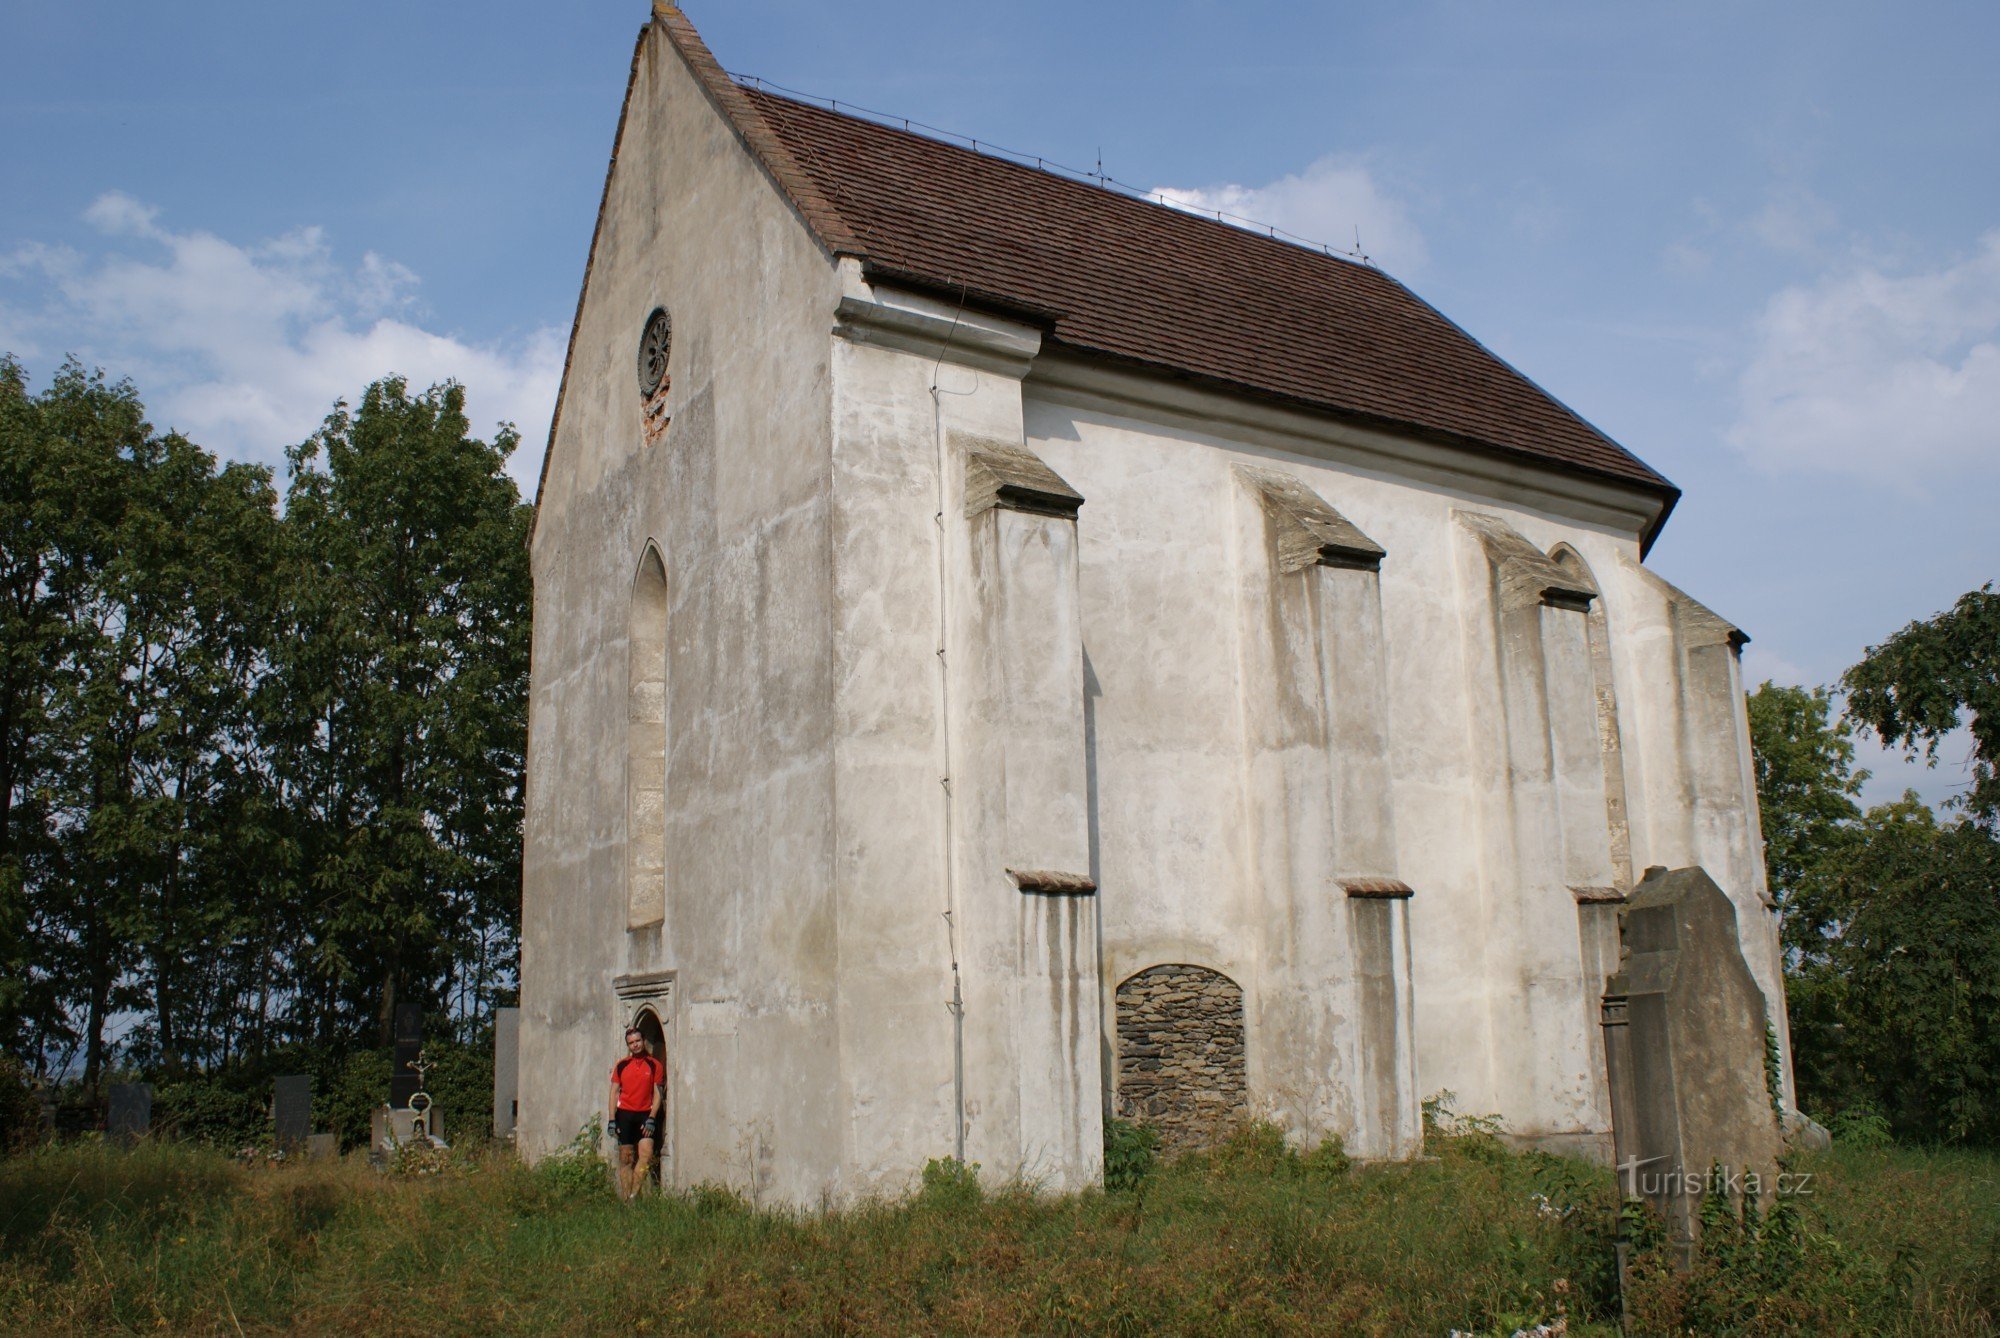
[(1144, 283)]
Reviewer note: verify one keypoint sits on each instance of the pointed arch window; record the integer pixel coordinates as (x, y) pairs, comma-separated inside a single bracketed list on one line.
[(646, 746)]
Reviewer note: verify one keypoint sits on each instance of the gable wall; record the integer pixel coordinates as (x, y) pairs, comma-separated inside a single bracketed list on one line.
[(734, 496)]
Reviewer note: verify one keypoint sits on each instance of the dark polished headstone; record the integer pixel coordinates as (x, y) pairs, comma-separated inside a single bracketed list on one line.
[(291, 1109), (130, 1112), (405, 1081)]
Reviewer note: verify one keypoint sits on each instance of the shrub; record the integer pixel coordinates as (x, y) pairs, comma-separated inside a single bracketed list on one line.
[(1861, 1127), (576, 1171), (1749, 1273), (20, 1111), (1259, 1150), (210, 1110), (1130, 1153), (353, 1091), (950, 1183), (1329, 1161)]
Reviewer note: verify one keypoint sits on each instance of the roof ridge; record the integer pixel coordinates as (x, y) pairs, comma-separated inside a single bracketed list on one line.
[(823, 218), (766, 93)]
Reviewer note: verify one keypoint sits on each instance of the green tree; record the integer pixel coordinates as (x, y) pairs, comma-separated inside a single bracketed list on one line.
[(62, 465), (168, 756), (1806, 786), (1923, 682), (1901, 1013), (397, 709), (134, 564)]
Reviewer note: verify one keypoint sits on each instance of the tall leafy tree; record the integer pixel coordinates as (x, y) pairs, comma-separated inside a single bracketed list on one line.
[(180, 612), (1922, 683), (136, 566), (1892, 917), (1806, 786), (60, 478), (1901, 1012), (397, 708)]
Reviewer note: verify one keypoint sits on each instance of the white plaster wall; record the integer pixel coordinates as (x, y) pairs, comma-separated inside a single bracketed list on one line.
[(921, 866), (1171, 793), (807, 501), (736, 498)]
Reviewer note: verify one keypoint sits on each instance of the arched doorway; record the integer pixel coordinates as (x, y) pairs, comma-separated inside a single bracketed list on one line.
[(648, 1023), (1180, 1054)]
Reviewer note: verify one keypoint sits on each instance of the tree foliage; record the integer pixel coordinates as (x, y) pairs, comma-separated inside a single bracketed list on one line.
[(1806, 788), (259, 766), (1891, 929), (1918, 686), (399, 702)]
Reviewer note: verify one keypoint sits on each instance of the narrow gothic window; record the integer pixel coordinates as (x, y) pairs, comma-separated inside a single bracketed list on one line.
[(646, 747)]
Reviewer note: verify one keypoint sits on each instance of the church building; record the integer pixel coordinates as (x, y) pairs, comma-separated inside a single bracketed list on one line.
[(1010, 654)]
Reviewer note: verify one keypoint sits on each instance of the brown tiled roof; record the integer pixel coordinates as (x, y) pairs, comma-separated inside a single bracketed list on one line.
[(1148, 285)]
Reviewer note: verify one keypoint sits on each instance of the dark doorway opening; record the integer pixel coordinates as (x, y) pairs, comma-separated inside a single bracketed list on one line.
[(648, 1023)]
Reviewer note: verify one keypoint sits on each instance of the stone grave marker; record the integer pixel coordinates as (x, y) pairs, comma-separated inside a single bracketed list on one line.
[(506, 1071), (1684, 1040), (405, 1081), (322, 1147), (291, 1110), (129, 1114)]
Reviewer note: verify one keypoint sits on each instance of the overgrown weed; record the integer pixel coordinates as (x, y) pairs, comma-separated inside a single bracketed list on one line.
[(1255, 1235)]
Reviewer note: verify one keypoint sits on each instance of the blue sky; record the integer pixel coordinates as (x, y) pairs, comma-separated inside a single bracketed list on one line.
[(1758, 244)]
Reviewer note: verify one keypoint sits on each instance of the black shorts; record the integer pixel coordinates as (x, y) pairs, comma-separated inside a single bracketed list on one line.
[(631, 1127)]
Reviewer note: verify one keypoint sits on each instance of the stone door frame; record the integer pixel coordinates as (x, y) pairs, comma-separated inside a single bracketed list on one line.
[(654, 992)]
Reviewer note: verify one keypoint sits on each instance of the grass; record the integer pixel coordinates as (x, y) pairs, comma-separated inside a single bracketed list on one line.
[(1251, 1238)]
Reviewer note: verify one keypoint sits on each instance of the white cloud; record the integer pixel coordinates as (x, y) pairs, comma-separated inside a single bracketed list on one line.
[(1882, 376), (1795, 221), (1761, 665), (1327, 203), (246, 347)]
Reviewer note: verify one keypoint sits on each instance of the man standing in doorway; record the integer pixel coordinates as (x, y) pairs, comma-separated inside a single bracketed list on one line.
[(633, 1112)]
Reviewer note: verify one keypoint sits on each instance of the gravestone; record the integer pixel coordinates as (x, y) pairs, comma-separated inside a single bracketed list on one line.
[(130, 1111), (291, 1110), (1684, 1038), (404, 1081), (322, 1147), (506, 1070)]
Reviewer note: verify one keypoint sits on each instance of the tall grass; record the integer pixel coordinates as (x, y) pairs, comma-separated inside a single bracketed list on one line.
[(1251, 1238)]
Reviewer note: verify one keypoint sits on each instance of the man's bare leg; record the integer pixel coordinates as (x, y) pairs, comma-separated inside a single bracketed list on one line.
[(627, 1181), (642, 1173)]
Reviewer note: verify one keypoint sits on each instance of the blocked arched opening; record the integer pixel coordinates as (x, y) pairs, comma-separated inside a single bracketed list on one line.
[(1609, 738), (1180, 1054), (646, 746)]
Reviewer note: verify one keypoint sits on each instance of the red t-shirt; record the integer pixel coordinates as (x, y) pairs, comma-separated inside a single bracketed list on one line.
[(637, 1076)]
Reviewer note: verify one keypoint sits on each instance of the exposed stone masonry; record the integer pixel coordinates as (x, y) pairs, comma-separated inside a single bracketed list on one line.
[(1180, 1054)]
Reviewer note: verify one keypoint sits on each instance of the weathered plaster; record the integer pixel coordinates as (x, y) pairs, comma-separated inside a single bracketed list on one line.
[(989, 678)]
